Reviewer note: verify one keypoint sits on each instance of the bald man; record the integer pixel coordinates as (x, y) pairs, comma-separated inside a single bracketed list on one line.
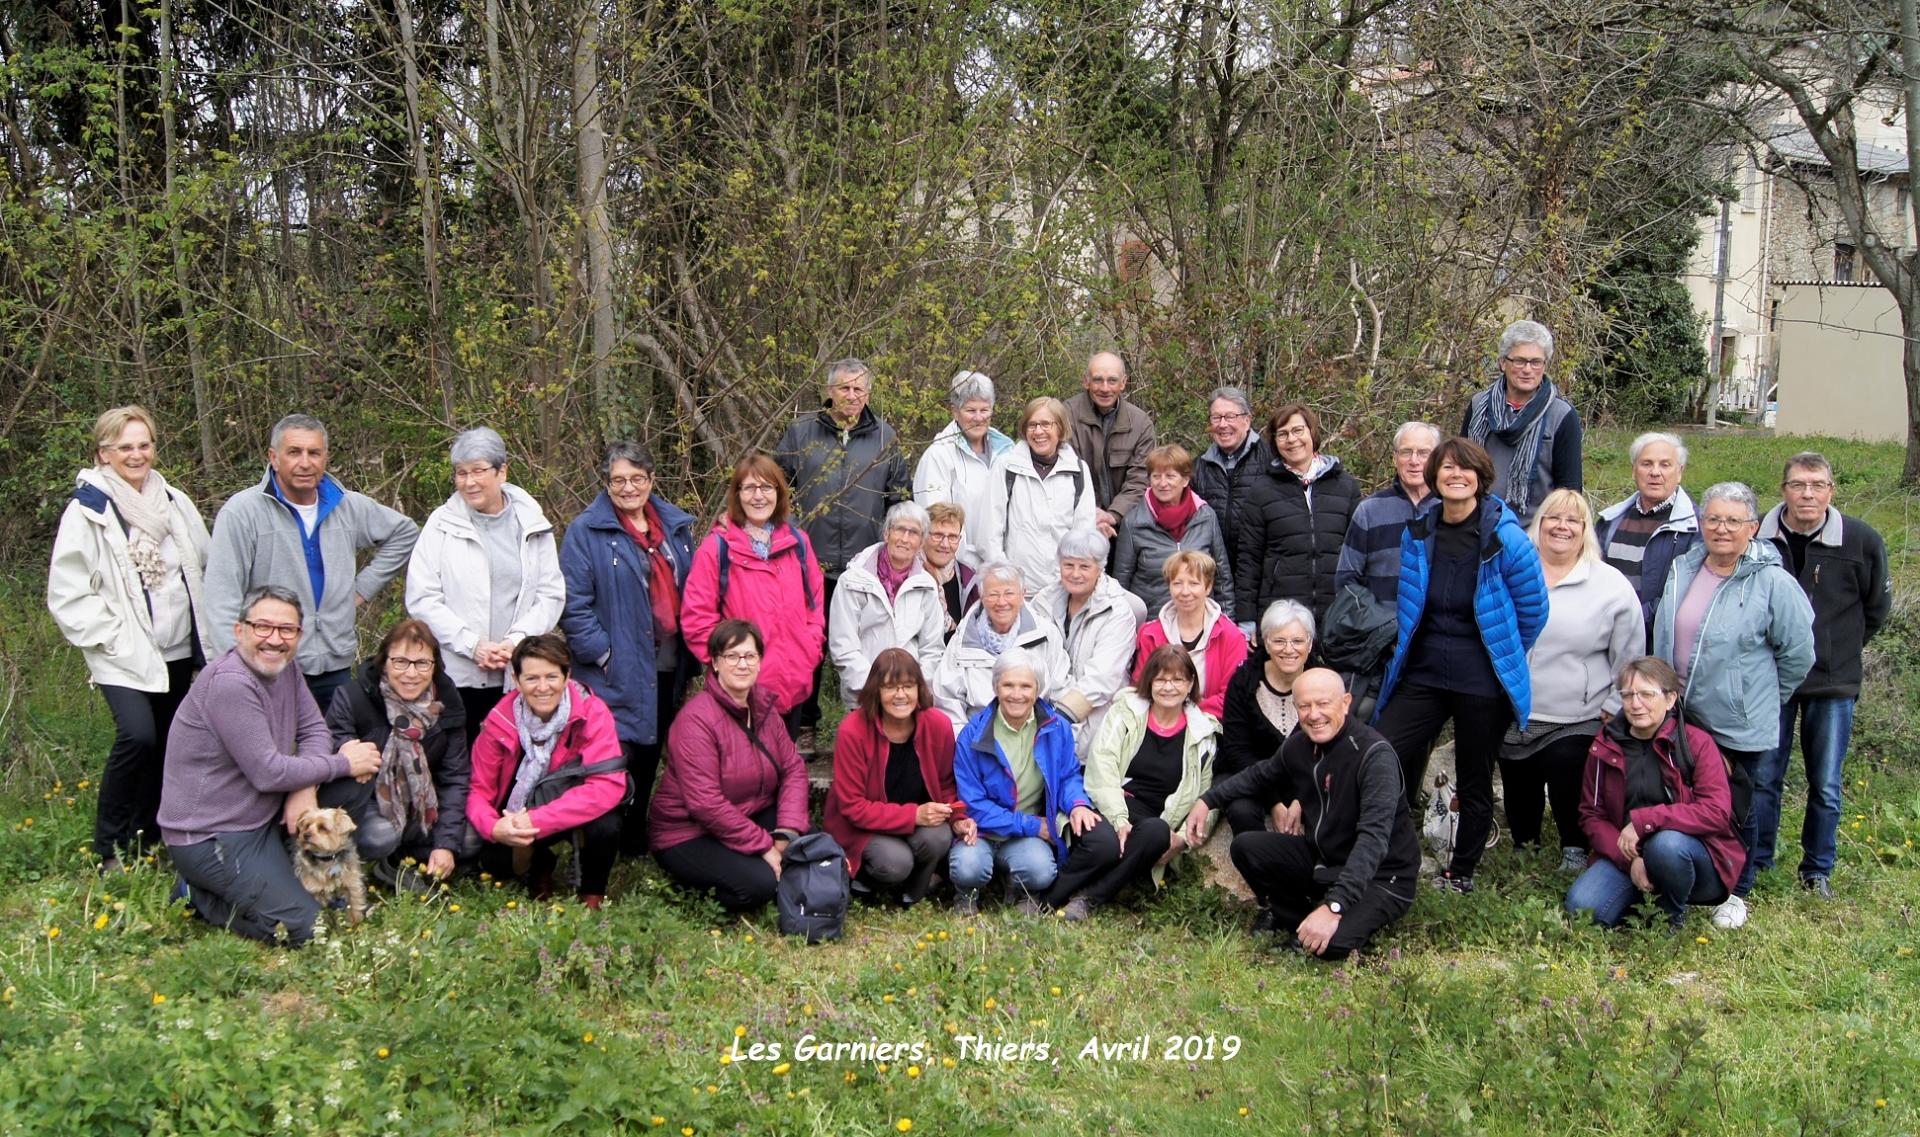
[(1343, 862), (1112, 437)]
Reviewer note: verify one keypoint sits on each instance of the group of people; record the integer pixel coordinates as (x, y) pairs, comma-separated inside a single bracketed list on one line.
[(1062, 655)]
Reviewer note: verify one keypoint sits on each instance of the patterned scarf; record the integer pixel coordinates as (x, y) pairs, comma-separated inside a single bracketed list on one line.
[(891, 578), (148, 515), (537, 740), (1517, 427), (404, 786)]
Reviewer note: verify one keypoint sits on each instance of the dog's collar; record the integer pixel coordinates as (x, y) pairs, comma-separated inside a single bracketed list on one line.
[(313, 856)]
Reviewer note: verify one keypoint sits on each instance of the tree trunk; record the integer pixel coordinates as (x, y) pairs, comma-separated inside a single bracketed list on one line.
[(591, 143), (183, 295), (427, 182), (1906, 284)]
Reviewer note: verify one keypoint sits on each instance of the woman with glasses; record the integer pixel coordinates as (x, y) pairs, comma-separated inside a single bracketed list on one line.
[(958, 462), (733, 790), (1656, 807), (625, 560), (1171, 518), (485, 573), (1293, 520), (1193, 619), (955, 580), (124, 588), (1037, 492), (1259, 712), (402, 700), (1738, 630), (885, 600)]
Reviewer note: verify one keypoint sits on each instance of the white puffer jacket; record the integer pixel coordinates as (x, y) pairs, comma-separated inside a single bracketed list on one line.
[(1099, 643), (951, 471), (863, 622), (965, 680), (96, 596), (449, 588), (1027, 515)]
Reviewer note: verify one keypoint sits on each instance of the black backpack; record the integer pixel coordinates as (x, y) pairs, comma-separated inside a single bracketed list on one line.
[(1739, 781), (814, 888)]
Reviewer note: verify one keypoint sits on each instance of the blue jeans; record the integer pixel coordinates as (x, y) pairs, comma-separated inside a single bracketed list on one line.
[(1767, 770), (1678, 866), (1826, 730), (1028, 861)]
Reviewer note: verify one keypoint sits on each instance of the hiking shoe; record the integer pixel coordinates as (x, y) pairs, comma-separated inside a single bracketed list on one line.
[(1730, 913), (1264, 923), (1030, 905), (807, 741), (1077, 909), (1818, 886), (1447, 882), (1573, 859), (966, 902)]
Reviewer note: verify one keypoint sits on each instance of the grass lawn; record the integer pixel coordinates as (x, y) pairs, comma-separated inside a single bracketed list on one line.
[(475, 1011)]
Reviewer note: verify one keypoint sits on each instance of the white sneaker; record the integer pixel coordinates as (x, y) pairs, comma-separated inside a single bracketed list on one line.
[(1730, 913)]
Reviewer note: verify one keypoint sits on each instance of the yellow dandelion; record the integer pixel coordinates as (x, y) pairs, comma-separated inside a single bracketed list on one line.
[(1879, 1103), (904, 1125), (712, 1089), (1243, 1111), (912, 991), (948, 1062), (887, 998), (383, 1054), (969, 929), (883, 1067), (1054, 991), (782, 1068), (913, 1071), (485, 876), (512, 904), (686, 1131), (453, 908), (740, 1032), (992, 1002), (953, 1028), (850, 1077), (920, 945), (1701, 940), (749, 937), (726, 1059), (587, 1037), (100, 921), (943, 933), (53, 933), (656, 1121), (426, 933), (84, 783), (158, 998), (806, 1008)]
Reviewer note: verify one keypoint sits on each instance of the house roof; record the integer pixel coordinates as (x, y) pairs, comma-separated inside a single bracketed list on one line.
[(1794, 144)]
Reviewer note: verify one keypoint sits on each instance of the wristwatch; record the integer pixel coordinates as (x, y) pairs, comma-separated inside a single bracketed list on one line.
[(1335, 907)]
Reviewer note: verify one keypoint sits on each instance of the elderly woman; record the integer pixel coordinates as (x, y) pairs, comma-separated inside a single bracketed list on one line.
[(1655, 804), (758, 566), (625, 560), (1293, 520), (1017, 774), (124, 587), (1593, 628), (1152, 761), (485, 573), (1171, 518), (1531, 432), (1099, 620), (893, 805), (402, 700), (1037, 492), (547, 768), (884, 600), (734, 791), (1258, 713), (1472, 601), (1193, 620), (1738, 630), (1000, 622), (959, 585), (959, 461)]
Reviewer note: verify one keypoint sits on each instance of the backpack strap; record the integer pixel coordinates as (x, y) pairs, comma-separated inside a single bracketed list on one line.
[(806, 582), (1079, 487), (725, 559)]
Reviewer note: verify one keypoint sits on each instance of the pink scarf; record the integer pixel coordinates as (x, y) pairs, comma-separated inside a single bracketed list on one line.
[(1173, 518)]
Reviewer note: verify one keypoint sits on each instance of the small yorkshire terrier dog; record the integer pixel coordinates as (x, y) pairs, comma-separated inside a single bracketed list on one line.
[(325, 860)]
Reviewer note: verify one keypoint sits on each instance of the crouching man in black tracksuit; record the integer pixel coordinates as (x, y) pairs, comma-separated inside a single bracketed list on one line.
[(1343, 862)]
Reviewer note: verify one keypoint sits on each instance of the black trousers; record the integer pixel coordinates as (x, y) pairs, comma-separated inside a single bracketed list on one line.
[(1097, 865), (1411, 721), (123, 819), (1279, 867), (806, 714), (599, 846), (479, 703), (740, 881), (1550, 774), (1249, 814)]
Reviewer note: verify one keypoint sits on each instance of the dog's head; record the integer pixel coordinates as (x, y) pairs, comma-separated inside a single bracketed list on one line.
[(324, 832)]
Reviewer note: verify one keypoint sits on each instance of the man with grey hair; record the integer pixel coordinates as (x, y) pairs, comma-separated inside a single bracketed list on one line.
[(302, 530), (958, 460), (845, 466), (1112, 437), (1643, 533), (1370, 556), (1841, 564), (1237, 456), (1529, 430)]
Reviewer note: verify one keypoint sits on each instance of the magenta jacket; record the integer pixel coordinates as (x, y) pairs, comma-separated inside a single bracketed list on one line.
[(715, 779), (588, 737), (792, 617), (1226, 651), (857, 805), (1703, 809)]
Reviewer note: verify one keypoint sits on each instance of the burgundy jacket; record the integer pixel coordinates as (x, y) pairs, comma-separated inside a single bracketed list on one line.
[(857, 805), (1703, 809), (715, 779)]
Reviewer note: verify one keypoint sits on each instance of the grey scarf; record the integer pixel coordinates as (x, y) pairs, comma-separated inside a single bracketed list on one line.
[(148, 514), (537, 740)]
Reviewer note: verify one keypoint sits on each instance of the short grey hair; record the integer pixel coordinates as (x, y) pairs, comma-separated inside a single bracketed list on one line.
[(907, 511), (629, 451), (1653, 436), (848, 366), (296, 422), (1232, 395), (1084, 545), (1527, 331), (278, 592), (966, 386), (1416, 424), (481, 444), (1280, 613), (1001, 570), (1017, 658), (1806, 460), (1731, 491)]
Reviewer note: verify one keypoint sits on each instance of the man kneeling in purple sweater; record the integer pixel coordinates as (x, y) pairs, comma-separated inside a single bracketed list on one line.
[(246, 749)]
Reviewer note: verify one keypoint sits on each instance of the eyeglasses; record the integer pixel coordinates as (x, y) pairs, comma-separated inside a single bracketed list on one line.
[(1641, 696), (1037, 424), (1172, 681), (1423, 455), (1223, 420), (403, 665), (125, 448), (1806, 487), (1516, 361), (266, 631), (473, 473), (1293, 432), (758, 491), (1725, 523), (907, 530), (739, 658), (637, 481), (939, 538), (1290, 643)]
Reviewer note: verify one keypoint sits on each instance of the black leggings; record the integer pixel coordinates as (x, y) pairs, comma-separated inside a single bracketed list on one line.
[(1097, 866), (123, 819), (1412, 719), (1280, 868), (740, 881), (599, 845), (1550, 774)]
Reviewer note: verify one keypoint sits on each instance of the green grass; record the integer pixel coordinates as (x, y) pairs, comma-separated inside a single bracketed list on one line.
[(475, 1011)]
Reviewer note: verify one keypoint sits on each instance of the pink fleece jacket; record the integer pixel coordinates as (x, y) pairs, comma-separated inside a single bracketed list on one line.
[(1226, 651), (588, 737), (792, 617)]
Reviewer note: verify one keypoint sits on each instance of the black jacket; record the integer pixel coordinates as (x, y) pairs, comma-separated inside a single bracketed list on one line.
[(1351, 807), (1246, 737), (1845, 579), (358, 711), (843, 482), (1225, 489), (1288, 549)]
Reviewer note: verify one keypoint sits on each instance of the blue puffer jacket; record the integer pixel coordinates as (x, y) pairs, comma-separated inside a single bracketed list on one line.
[(985, 780), (608, 619), (1509, 603)]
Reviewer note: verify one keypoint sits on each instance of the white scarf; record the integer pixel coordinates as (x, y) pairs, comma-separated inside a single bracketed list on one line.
[(148, 514)]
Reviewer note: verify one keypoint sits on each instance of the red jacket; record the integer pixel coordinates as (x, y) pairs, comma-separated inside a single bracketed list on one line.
[(791, 615), (1703, 809), (589, 736), (1226, 651), (714, 779), (857, 805)]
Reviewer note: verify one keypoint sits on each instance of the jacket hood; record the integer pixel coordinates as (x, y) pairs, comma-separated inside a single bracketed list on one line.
[(600, 514), (998, 443), (1680, 518), (861, 572), (1773, 527), (1324, 465), (454, 514), (784, 537), (1170, 623), (1493, 514), (1617, 731), (867, 423)]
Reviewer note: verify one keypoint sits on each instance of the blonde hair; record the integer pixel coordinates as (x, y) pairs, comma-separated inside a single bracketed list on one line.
[(107, 428), (943, 511), (1561, 499), (1200, 564), (1046, 404)]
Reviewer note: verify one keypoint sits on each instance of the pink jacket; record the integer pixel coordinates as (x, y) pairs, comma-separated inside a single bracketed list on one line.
[(588, 737), (792, 617), (1226, 651), (714, 779)]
